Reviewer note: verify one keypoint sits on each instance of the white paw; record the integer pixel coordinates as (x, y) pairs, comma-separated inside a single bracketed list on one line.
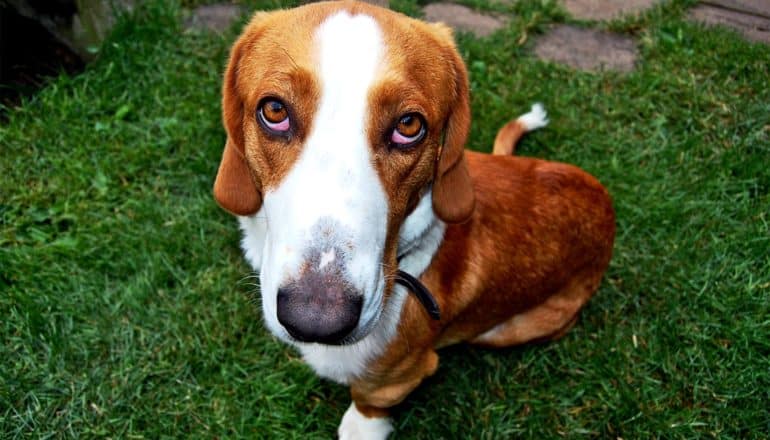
[(356, 426)]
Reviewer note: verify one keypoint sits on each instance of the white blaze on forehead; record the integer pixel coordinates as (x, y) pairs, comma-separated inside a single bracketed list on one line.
[(350, 51), (334, 180)]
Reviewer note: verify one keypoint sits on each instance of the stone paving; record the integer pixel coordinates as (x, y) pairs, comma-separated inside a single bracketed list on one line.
[(587, 49), (463, 18), (606, 9), (215, 18), (749, 17), (577, 47)]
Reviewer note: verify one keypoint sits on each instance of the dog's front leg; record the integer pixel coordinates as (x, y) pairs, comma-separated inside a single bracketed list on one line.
[(367, 417)]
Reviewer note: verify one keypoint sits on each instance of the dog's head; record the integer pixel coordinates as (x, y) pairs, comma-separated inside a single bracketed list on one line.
[(340, 119)]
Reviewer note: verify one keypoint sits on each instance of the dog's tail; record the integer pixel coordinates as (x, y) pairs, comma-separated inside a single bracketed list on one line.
[(509, 135)]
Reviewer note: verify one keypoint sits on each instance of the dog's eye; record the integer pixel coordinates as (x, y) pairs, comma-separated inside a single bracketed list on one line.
[(274, 116), (409, 130)]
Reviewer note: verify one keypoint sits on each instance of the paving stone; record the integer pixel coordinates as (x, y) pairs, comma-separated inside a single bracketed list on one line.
[(380, 3), (606, 9), (463, 18), (753, 27), (215, 18), (587, 49), (753, 7)]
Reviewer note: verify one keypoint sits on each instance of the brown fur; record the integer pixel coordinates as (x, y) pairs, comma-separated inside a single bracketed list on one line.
[(531, 254), (507, 138)]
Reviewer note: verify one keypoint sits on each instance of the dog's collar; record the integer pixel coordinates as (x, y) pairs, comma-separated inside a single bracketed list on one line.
[(420, 292)]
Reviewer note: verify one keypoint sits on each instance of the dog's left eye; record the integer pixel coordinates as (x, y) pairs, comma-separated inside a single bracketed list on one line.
[(274, 115), (409, 130)]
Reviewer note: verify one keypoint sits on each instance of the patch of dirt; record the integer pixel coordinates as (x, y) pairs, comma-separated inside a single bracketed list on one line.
[(606, 10), (380, 3), (462, 18), (587, 49), (753, 27)]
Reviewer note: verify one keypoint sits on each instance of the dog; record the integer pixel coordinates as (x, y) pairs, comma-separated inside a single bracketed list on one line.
[(377, 237)]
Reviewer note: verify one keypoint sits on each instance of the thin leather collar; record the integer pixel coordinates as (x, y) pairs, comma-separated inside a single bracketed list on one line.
[(420, 292)]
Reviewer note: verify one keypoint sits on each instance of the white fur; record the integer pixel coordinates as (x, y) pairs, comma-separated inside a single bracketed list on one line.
[(254, 230), (356, 426), (326, 258), (536, 118), (333, 183)]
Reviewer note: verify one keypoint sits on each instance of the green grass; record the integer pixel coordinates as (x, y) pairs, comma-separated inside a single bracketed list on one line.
[(126, 302)]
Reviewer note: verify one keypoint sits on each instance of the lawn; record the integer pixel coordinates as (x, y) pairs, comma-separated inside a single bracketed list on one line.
[(128, 310)]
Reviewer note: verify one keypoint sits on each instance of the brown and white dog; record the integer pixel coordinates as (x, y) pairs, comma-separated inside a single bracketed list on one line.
[(345, 164)]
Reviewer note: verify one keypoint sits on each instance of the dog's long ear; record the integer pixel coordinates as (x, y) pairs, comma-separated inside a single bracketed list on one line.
[(237, 189), (453, 198)]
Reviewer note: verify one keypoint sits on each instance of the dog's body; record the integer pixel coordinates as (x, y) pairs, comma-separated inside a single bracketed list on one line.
[(511, 248)]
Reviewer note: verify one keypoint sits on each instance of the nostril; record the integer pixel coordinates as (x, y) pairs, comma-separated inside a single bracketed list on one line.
[(323, 313), (282, 296)]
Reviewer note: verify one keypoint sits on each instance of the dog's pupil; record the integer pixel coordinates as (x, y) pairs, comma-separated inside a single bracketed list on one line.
[(409, 125), (275, 111)]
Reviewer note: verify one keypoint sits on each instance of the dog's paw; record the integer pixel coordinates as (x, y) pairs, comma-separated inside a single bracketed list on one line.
[(356, 426)]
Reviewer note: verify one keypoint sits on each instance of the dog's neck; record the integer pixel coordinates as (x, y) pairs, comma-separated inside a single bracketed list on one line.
[(420, 237), (419, 226)]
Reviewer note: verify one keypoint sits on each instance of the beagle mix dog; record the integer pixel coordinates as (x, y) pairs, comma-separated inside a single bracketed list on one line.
[(377, 237)]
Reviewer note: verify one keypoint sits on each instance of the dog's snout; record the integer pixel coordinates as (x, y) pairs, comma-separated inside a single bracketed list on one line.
[(320, 309)]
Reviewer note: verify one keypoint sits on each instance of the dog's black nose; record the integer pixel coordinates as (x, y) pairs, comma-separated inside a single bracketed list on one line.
[(319, 309)]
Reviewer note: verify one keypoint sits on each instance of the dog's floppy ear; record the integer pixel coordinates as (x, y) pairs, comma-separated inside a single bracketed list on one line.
[(453, 198), (237, 189)]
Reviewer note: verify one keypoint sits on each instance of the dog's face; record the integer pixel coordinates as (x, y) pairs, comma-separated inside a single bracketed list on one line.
[(341, 118)]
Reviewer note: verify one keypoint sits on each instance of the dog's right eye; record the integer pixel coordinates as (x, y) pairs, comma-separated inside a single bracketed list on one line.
[(274, 116), (409, 130)]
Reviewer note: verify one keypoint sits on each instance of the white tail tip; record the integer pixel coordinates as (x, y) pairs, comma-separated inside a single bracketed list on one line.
[(536, 118)]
